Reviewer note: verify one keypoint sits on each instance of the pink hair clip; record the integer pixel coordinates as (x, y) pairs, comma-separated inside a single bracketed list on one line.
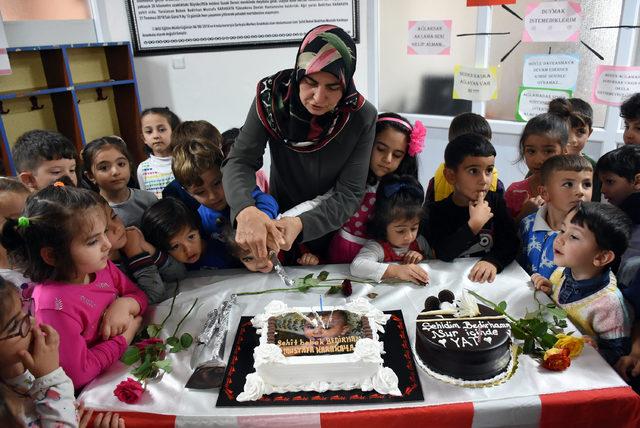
[(416, 141)]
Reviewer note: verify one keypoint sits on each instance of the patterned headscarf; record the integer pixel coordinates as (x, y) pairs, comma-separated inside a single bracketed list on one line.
[(325, 48)]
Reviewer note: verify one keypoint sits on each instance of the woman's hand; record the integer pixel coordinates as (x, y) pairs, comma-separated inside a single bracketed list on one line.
[(118, 316), (290, 227), (43, 359), (255, 228)]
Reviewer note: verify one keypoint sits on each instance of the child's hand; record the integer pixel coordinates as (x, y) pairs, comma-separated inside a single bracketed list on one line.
[(133, 247), (133, 328), (412, 258), (117, 317), (44, 357), (102, 420), (628, 365), (531, 205), (541, 283), (483, 272), (479, 214), (308, 259), (411, 273)]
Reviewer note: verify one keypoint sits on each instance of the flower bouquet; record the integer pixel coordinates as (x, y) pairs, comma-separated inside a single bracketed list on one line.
[(542, 333), (150, 351)]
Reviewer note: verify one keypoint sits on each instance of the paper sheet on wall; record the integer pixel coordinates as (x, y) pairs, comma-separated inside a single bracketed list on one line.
[(5, 67), (475, 84), (558, 71), (535, 101), (557, 21), (489, 2), (613, 84), (429, 37)]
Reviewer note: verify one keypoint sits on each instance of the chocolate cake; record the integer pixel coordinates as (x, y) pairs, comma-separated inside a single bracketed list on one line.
[(464, 347)]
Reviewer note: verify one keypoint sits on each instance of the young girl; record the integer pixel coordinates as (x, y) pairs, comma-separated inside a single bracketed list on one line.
[(108, 166), (394, 229), (170, 226), (155, 272), (543, 136), (13, 196), (60, 242), (395, 150), (155, 173)]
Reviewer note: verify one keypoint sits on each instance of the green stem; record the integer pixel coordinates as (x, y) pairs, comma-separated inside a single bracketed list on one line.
[(273, 290), (184, 318), (173, 301)]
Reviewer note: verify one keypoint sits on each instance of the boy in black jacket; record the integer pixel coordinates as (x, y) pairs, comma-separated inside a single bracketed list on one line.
[(472, 221)]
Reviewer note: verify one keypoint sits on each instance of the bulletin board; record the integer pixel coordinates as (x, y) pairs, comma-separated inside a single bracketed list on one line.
[(167, 26)]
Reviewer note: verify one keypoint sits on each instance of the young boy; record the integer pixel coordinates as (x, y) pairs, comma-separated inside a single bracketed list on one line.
[(472, 221), (42, 157), (619, 171), (630, 112), (566, 181), (196, 166), (464, 123), (592, 236)]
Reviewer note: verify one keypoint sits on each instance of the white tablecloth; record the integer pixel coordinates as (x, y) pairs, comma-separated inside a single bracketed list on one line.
[(589, 371)]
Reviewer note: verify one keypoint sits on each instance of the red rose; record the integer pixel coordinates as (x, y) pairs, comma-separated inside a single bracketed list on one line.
[(142, 345), (346, 288), (556, 359), (129, 391)]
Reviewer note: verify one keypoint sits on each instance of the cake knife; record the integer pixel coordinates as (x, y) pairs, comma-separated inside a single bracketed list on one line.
[(280, 269)]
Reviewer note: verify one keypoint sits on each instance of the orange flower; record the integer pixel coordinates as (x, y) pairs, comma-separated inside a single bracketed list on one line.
[(573, 344), (556, 359)]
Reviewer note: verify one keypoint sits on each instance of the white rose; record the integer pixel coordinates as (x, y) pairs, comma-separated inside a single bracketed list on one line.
[(359, 305), (275, 307), (253, 388), (267, 353), (386, 382), (368, 350)]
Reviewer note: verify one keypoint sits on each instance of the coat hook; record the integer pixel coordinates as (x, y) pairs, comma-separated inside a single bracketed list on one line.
[(2, 110), (34, 103), (100, 96)]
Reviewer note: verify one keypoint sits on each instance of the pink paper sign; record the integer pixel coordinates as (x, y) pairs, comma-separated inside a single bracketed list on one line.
[(429, 37), (552, 21), (613, 84)]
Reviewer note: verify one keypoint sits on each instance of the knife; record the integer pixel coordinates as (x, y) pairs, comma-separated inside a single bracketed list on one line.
[(280, 269)]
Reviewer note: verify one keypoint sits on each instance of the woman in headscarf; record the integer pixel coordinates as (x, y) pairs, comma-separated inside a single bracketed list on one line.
[(320, 132)]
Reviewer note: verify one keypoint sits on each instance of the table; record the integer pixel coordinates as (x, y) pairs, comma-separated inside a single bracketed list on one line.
[(588, 394)]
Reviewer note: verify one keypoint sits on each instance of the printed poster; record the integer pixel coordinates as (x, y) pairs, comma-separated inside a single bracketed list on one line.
[(489, 2), (535, 101), (557, 71), (475, 84), (613, 84), (5, 67), (429, 37), (552, 21)]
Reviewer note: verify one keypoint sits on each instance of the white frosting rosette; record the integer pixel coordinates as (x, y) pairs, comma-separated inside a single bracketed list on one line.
[(386, 382), (254, 388), (361, 306), (368, 351), (274, 308), (267, 353)]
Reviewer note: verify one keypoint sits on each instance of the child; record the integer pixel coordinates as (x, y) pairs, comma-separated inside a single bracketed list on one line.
[(30, 373), (464, 123), (108, 166), (155, 173), (42, 157), (543, 136), (13, 196), (185, 132), (395, 150), (472, 221), (171, 227), (155, 272), (592, 236), (60, 242), (196, 166), (566, 182), (394, 229), (630, 112), (228, 138), (619, 171), (579, 116)]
